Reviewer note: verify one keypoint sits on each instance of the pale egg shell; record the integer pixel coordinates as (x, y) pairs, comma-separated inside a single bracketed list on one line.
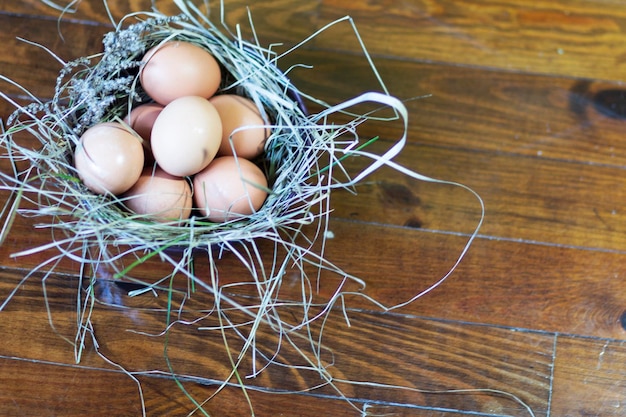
[(186, 136), (141, 119), (177, 69), (240, 112), (108, 158), (161, 196), (229, 188)]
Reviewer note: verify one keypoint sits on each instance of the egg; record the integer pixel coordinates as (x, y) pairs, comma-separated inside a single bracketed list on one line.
[(240, 112), (108, 158), (160, 195), (186, 136), (141, 119), (176, 69), (229, 188)]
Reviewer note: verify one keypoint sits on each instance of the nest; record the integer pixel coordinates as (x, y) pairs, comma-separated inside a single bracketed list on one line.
[(302, 160), (87, 93)]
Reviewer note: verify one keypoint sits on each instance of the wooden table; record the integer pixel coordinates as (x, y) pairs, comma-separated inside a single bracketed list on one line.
[(521, 101)]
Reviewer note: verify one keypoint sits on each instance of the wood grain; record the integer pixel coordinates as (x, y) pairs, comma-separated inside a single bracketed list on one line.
[(398, 350), (532, 286), (521, 101), (78, 391), (532, 115), (582, 39), (79, 396), (593, 373), (579, 291)]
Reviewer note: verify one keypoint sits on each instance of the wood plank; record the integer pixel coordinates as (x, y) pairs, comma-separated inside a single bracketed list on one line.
[(235, 11), (525, 198), (429, 344), (63, 390), (591, 375), (269, 18), (580, 39), (84, 12), (499, 282), (79, 391), (399, 350), (34, 68), (546, 117)]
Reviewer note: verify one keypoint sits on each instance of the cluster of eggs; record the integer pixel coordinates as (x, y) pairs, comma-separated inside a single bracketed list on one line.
[(187, 134)]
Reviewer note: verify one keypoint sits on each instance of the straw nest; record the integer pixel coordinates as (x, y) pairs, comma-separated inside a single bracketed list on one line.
[(299, 156)]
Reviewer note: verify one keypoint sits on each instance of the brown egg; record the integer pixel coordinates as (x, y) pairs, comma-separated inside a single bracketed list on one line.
[(229, 188), (240, 112), (141, 119), (108, 158), (186, 136), (177, 69), (160, 195)]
